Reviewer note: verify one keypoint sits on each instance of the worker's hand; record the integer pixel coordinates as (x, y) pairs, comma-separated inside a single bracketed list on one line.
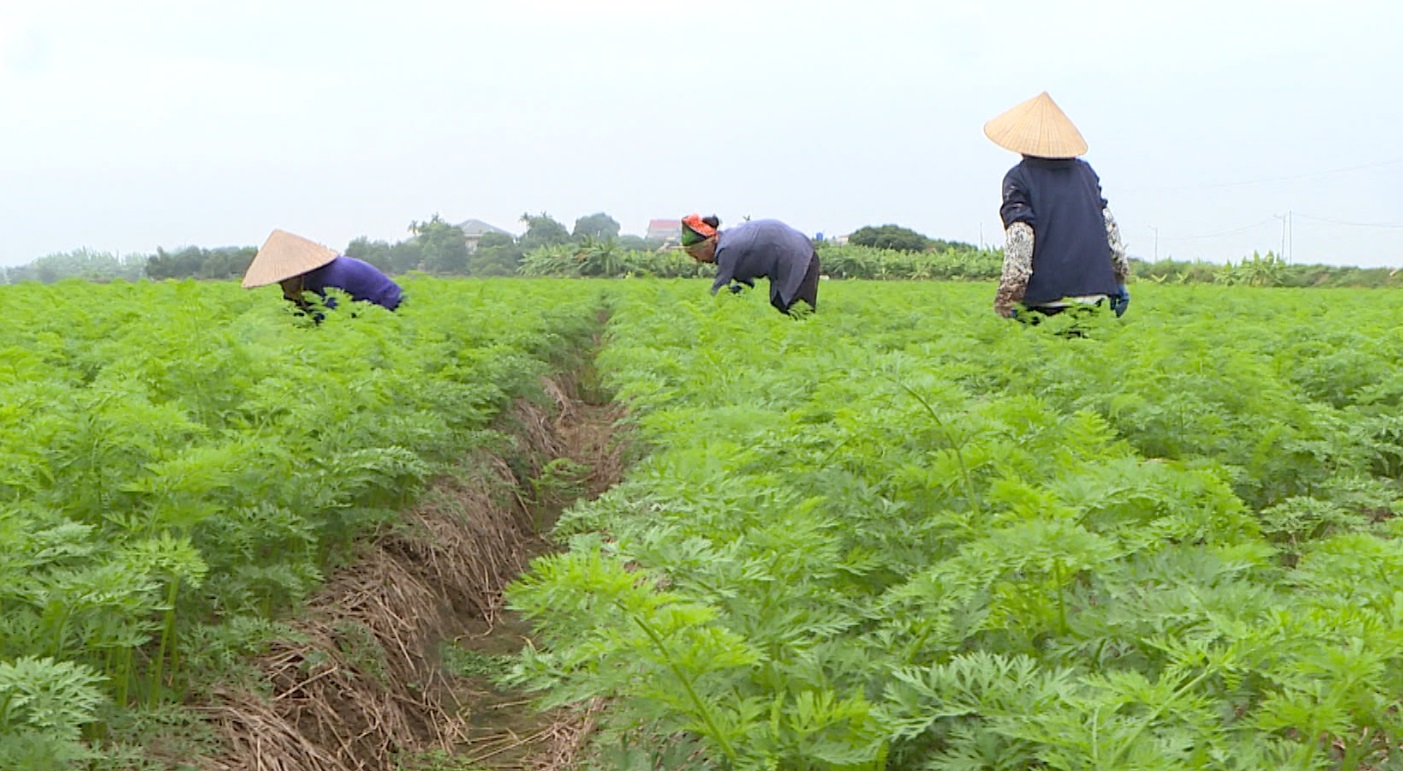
[(1120, 300)]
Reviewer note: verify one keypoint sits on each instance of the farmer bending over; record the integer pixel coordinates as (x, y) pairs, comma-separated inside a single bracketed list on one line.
[(759, 249), (300, 265)]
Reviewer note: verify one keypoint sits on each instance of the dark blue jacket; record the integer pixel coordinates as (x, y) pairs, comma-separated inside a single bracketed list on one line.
[(1060, 199), (764, 249), (359, 279)]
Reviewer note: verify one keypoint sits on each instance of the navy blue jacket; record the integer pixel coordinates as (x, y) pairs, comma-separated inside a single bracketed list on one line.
[(361, 280), (1060, 199), (764, 249)]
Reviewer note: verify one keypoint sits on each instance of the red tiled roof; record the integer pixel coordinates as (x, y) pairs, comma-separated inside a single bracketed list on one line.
[(664, 224)]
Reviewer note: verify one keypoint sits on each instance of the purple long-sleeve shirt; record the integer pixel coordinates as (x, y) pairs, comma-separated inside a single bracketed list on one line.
[(763, 249), (359, 279)]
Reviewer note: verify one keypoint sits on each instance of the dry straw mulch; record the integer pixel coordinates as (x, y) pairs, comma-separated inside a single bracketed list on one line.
[(361, 685)]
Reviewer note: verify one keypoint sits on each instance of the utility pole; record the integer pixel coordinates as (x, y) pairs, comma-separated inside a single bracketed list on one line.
[(1156, 230), (1285, 218)]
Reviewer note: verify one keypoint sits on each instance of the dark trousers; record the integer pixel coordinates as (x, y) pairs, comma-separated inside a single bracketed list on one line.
[(1077, 311), (808, 289)]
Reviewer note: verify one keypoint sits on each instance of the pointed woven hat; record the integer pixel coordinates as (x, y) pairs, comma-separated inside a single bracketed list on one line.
[(285, 255), (1037, 127)]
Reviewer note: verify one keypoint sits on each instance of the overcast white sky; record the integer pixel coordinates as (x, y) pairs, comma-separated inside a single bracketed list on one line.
[(130, 125)]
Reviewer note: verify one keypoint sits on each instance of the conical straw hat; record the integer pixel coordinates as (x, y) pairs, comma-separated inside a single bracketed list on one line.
[(285, 255), (1037, 127)]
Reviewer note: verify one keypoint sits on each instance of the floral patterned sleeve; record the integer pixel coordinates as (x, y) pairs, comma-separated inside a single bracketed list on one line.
[(1018, 267), (1119, 263)]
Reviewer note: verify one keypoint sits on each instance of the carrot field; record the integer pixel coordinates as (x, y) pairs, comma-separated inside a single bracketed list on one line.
[(901, 533)]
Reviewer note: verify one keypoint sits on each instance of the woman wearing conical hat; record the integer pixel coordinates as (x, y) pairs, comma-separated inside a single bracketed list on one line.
[(1062, 247), (756, 249), (300, 265)]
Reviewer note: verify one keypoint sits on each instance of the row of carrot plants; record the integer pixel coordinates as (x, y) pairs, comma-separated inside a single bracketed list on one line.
[(904, 533), (182, 463)]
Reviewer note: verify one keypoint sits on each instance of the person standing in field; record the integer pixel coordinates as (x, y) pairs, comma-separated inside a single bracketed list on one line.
[(757, 249), (1062, 247), (299, 265)]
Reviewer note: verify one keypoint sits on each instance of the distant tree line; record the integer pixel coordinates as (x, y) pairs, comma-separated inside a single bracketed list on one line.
[(190, 262), (900, 239), (603, 259), (441, 248), (595, 248), (1265, 270), (194, 262), (434, 246), (80, 263)]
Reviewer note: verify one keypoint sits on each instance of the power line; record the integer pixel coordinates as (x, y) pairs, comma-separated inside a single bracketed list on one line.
[(1287, 223), (1288, 230), (1393, 225), (1266, 221), (1267, 180)]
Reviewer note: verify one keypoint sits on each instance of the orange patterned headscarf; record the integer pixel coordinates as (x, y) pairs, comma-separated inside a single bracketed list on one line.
[(695, 230)]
